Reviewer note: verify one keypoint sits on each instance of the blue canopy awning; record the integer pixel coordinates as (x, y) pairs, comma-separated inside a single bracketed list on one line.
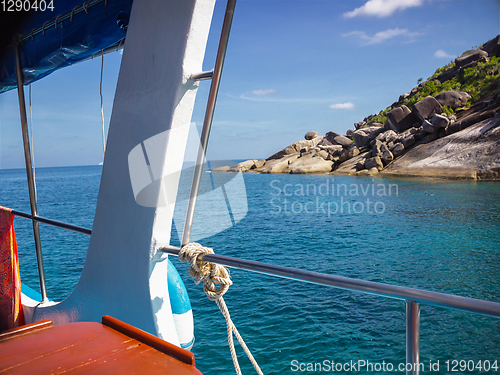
[(50, 40)]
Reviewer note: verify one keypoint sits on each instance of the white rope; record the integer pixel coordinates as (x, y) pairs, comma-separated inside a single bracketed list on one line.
[(212, 274), (102, 111)]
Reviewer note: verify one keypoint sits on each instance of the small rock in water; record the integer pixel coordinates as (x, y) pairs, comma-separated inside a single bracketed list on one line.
[(243, 166), (225, 168)]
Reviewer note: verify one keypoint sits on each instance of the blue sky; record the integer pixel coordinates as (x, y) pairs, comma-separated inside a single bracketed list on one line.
[(291, 67)]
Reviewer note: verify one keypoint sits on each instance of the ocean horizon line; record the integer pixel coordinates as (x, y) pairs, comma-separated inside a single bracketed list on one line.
[(100, 164)]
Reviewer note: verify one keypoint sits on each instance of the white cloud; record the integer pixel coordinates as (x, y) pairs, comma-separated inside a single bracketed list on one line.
[(440, 54), (382, 8), (347, 105), (381, 36), (264, 92)]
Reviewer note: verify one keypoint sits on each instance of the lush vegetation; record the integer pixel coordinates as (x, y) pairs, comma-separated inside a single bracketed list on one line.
[(443, 69), (448, 110), (380, 117), (481, 80), (478, 81)]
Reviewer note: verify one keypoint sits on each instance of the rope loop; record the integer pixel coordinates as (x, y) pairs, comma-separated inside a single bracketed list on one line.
[(208, 273), (211, 274), (72, 12), (43, 28), (85, 7), (55, 22)]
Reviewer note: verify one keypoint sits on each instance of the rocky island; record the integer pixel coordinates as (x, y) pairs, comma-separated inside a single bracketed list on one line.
[(448, 126)]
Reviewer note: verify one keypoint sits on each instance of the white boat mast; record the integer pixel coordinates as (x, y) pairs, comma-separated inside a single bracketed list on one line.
[(123, 275)]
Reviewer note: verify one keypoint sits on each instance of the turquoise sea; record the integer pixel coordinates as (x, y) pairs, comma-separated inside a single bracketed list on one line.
[(432, 234)]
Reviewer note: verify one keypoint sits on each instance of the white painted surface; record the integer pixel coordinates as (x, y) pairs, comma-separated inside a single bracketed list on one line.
[(28, 306), (185, 327), (123, 275)]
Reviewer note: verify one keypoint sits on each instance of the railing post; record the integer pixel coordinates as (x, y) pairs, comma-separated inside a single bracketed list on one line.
[(29, 172), (207, 122), (412, 338)]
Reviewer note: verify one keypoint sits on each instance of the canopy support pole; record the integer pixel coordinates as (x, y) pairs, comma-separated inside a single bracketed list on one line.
[(207, 122), (29, 173)]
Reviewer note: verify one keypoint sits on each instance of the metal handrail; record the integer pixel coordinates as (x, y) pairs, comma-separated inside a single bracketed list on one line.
[(412, 297), (449, 301), (55, 223)]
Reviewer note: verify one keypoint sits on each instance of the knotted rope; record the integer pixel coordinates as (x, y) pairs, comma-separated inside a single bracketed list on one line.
[(212, 274), (209, 273)]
